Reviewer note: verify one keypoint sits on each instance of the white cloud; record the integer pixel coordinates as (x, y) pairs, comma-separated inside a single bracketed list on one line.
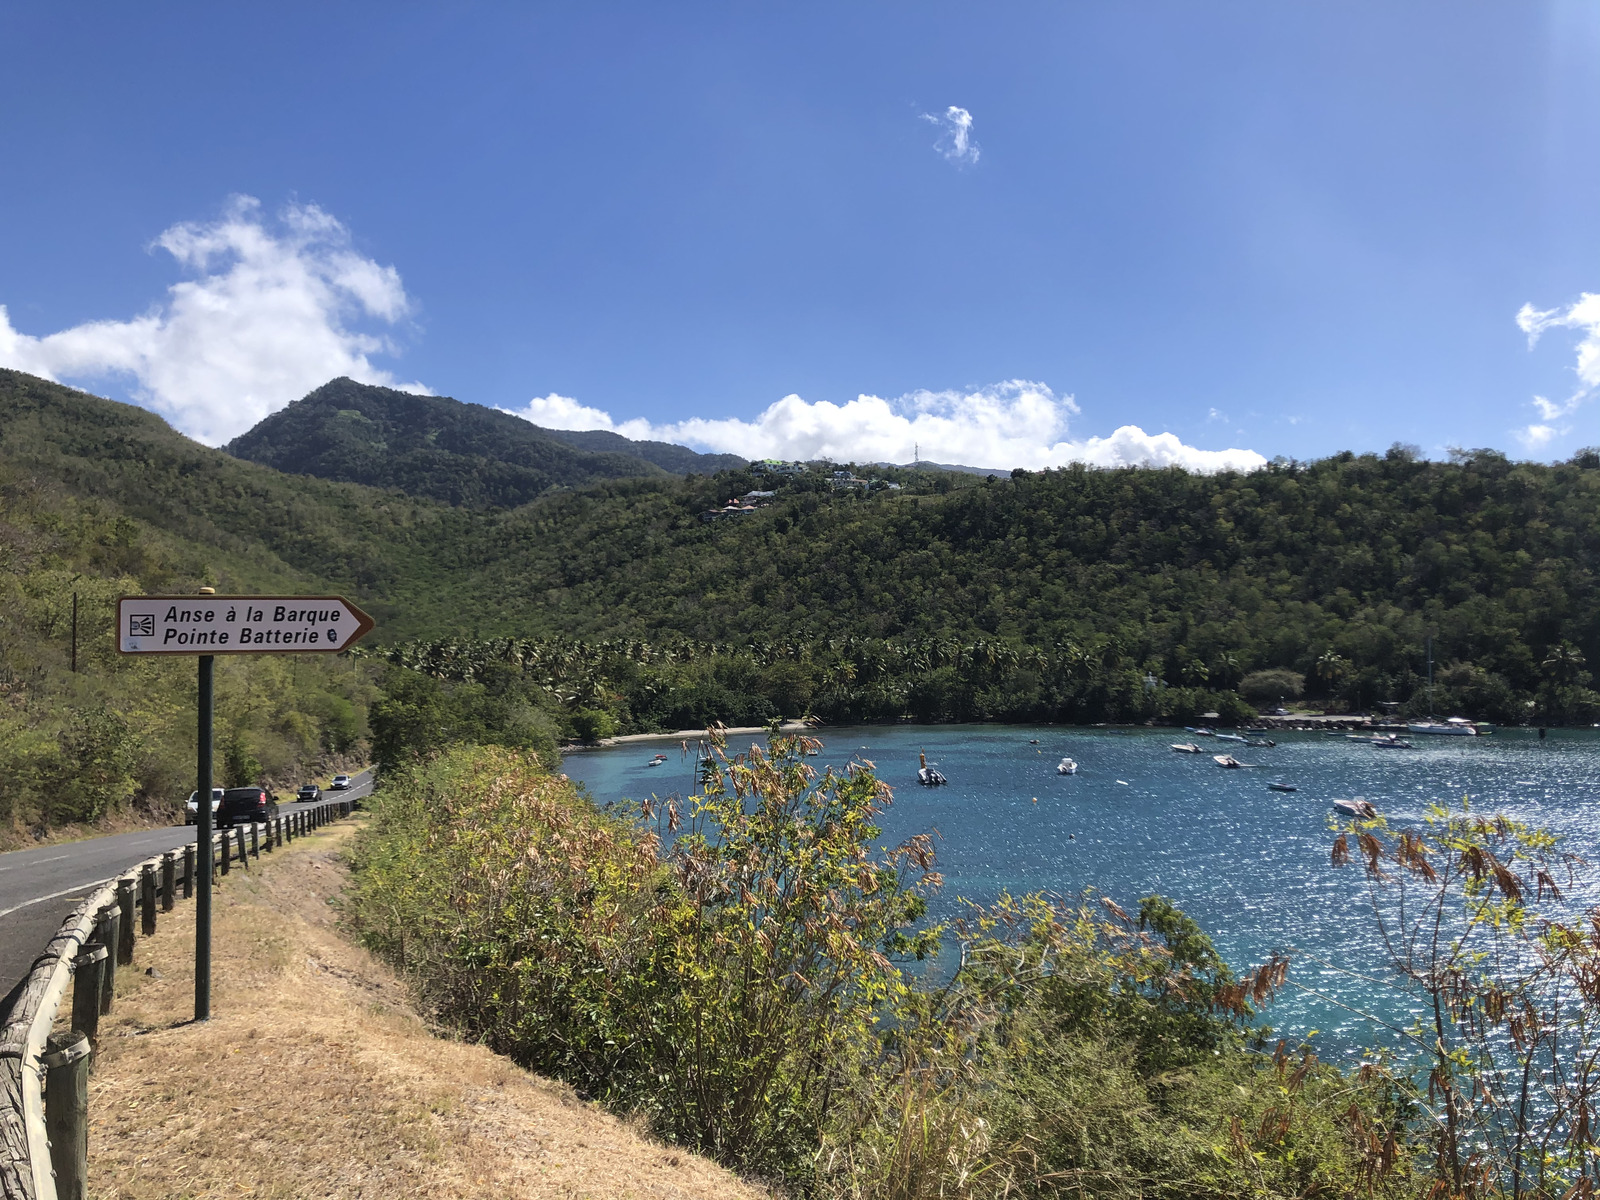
[(955, 141), (270, 312), (1535, 436), (1014, 424), (1585, 317)]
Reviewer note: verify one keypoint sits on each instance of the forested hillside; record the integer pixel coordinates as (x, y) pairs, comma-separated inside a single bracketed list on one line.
[(100, 499), (1070, 595), (440, 448), (1089, 595)]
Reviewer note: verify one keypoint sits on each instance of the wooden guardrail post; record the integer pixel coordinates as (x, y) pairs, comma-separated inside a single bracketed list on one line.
[(188, 871), (125, 926), (169, 881), (108, 934), (225, 863), (147, 900), (238, 838), (66, 1111), (88, 986)]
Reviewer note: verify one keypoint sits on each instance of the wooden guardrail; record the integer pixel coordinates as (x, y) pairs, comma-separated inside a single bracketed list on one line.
[(44, 1076)]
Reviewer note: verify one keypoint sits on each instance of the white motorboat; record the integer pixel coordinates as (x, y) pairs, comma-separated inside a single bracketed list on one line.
[(929, 776), (1390, 741), (1187, 748), (1441, 729), (1228, 761), (1066, 767), (1229, 737)]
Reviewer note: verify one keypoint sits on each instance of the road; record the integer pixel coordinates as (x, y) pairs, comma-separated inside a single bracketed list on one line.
[(38, 888)]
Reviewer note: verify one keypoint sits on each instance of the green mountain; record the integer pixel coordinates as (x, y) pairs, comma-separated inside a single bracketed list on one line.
[(99, 499), (1073, 595), (434, 446), (679, 460)]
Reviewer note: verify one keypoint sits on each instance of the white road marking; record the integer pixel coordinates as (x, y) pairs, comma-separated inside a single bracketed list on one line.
[(78, 887), (35, 862)]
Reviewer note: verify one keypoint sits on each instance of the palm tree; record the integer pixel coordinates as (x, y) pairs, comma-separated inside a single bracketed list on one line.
[(1564, 662)]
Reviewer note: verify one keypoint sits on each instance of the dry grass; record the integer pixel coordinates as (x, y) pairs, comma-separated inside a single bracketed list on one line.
[(316, 1078)]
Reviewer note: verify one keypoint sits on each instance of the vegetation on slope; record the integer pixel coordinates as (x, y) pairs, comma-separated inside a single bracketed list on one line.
[(442, 449), (679, 460), (100, 500), (1075, 594)]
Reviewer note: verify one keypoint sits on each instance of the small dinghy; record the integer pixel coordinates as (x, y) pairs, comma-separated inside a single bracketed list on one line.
[(928, 776), (1358, 808), (1187, 748), (1391, 741), (1066, 767), (657, 760), (1282, 787)]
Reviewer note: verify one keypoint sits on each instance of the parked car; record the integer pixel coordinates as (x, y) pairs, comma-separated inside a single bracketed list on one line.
[(245, 804), (192, 815), (309, 793), (340, 783)]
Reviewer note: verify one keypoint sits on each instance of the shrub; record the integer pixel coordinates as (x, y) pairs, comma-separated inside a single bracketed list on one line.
[(1267, 687)]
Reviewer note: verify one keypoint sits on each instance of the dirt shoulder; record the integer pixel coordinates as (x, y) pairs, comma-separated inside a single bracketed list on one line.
[(316, 1078)]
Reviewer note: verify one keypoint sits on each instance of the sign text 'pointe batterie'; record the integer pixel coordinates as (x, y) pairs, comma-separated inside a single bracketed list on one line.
[(237, 624)]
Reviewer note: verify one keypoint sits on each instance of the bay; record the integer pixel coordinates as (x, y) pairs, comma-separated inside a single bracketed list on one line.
[(1249, 864)]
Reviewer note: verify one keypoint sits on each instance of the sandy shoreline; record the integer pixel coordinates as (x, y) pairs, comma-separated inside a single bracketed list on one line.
[(680, 735)]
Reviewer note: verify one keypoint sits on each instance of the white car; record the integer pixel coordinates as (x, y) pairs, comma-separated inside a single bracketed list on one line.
[(192, 817), (340, 783)]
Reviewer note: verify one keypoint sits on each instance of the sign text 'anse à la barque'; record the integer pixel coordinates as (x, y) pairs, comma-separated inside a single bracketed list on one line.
[(237, 624)]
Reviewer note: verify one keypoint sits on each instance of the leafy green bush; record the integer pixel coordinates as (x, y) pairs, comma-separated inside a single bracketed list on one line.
[(593, 724)]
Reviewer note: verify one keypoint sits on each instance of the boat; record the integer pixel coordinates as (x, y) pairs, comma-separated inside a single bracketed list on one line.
[(1358, 808), (1260, 743), (657, 760), (1454, 727), (1200, 731), (1187, 748), (1229, 737), (928, 776), (1066, 767), (1228, 761), (1391, 741), (1282, 787)]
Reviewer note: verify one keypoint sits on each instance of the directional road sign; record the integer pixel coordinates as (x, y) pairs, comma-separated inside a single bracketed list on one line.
[(237, 624)]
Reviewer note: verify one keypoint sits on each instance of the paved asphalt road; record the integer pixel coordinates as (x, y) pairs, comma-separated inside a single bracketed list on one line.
[(38, 888)]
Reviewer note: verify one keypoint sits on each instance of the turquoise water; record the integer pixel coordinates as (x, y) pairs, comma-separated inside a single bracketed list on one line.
[(1251, 865)]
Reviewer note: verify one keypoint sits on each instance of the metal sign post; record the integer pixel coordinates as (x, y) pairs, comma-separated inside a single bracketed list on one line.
[(202, 837), (207, 625)]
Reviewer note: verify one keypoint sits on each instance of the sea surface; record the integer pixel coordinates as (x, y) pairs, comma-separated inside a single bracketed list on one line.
[(1250, 864)]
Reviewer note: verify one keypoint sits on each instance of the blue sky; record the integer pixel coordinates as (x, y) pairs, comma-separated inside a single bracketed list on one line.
[(1281, 228)]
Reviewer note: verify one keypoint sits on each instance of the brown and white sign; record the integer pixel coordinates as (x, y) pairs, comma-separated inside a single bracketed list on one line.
[(238, 624)]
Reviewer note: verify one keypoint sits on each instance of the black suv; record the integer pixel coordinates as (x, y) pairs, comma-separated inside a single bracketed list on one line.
[(242, 805)]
